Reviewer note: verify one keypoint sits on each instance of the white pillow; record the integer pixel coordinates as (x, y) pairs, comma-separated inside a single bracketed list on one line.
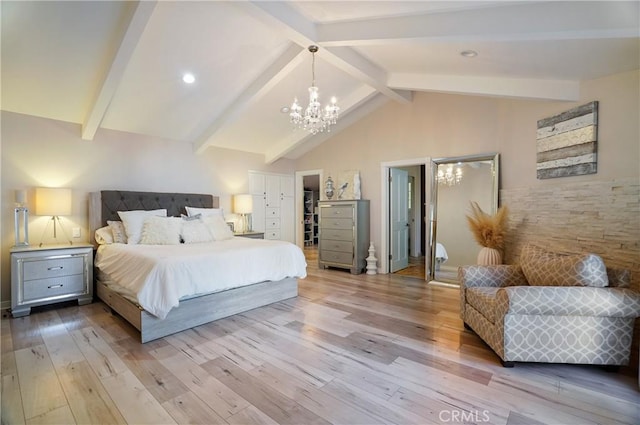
[(161, 231), (218, 227), (104, 235), (117, 230), (195, 231), (134, 220), (191, 211)]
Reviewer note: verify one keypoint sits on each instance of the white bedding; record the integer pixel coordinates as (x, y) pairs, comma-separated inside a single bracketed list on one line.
[(159, 275)]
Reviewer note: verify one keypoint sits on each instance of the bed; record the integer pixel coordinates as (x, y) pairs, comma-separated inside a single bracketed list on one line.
[(121, 288)]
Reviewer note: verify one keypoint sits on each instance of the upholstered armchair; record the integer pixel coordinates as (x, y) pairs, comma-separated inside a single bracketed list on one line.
[(551, 308)]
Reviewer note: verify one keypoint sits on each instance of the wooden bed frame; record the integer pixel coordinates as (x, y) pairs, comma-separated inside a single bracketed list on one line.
[(192, 312)]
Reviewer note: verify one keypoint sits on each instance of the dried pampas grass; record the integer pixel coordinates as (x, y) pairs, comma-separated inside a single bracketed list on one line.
[(488, 230)]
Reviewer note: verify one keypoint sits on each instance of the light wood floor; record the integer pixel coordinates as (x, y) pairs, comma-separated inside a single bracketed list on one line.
[(349, 350)]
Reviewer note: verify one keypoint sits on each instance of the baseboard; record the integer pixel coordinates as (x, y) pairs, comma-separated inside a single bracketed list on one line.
[(4, 308), (448, 268)]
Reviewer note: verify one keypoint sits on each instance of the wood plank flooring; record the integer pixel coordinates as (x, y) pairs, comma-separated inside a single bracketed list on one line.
[(348, 350)]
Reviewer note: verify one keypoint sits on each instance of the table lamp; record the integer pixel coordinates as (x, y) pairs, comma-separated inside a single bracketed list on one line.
[(54, 202), (243, 205)]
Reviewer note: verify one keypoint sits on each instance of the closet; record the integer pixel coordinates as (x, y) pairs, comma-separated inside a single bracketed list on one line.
[(273, 205)]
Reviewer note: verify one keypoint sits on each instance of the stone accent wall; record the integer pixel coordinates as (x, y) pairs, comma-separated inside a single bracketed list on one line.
[(600, 217)]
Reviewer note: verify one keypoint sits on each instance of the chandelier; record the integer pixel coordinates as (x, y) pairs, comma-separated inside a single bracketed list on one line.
[(450, 176), (315, 119)]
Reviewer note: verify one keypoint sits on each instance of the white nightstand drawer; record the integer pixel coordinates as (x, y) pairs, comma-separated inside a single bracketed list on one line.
[(52, 267), (272, 234), (53, 287)]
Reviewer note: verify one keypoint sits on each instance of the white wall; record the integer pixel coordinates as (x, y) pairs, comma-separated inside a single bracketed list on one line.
[(442, 125), (41, 152)]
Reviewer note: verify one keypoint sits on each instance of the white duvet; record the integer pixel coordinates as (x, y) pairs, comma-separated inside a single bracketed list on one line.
[(159, 275)]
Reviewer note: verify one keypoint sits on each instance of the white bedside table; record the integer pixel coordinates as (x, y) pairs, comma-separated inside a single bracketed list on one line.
[(50, 274)]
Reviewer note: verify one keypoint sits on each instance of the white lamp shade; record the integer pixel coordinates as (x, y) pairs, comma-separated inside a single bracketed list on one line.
[(242, 204), (53, 201)]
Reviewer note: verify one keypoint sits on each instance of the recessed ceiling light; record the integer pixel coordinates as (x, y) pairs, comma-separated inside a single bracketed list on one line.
[(469, 53), (188, 78), (284, 109)]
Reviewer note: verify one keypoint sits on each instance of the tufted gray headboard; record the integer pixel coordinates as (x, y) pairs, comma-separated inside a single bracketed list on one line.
[(104, 205)]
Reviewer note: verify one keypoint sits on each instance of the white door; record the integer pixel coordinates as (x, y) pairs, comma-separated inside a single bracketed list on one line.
[(399, 218)]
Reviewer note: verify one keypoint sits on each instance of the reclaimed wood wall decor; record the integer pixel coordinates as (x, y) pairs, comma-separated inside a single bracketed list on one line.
[(567, 143)]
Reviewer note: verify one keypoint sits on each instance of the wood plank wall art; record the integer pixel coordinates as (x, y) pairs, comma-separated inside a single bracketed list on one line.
[(567, 143)]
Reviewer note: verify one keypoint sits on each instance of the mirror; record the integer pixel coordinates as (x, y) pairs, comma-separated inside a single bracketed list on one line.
[(455, 182)]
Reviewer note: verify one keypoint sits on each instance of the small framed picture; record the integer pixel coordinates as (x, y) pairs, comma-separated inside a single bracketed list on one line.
[(231, 226)]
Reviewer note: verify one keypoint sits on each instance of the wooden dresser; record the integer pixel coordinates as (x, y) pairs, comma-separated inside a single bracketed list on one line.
[(343, 234)]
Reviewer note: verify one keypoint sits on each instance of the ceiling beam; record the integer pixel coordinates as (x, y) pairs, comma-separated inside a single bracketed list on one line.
[(509, 22), (304, 32), (523, 88), (130, 36), (296, 138), (267, 79)]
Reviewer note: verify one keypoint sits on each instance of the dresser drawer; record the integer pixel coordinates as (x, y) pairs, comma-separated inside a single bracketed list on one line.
[(337, 211), (343, 246), (336, 257), (337, 235), (272, 223), (337, 223), (272, 234), (271, 212), (52, 267), (40, 289)]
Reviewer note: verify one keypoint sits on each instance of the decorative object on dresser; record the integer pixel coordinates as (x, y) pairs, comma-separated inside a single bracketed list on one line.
[(54, 202), (21, 218), (50, 274), (328, 188), (567, 143), (273, 205), (348, 185), (243, 205), (343, 234)]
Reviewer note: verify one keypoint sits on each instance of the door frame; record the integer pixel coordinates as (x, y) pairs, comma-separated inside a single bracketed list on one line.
[(385, 238), (299, 201)]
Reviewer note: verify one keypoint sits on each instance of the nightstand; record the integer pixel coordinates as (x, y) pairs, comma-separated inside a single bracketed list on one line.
[(251, 235), (50, 274)]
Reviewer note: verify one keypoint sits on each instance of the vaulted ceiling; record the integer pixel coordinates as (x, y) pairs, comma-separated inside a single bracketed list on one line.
[(119, 65)]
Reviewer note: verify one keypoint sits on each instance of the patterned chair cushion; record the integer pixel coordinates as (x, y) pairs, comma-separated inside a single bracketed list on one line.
[(544, 268)]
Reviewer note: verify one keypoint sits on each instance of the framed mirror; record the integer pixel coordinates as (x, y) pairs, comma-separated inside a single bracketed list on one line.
[(455, 183)]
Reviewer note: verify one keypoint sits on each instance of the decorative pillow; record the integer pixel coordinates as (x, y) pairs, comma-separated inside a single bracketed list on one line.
[(544, 268), (117, 230), (195, 231), (134, 220), (104, 235), (205, 212), (218, 228), (161, 231)]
